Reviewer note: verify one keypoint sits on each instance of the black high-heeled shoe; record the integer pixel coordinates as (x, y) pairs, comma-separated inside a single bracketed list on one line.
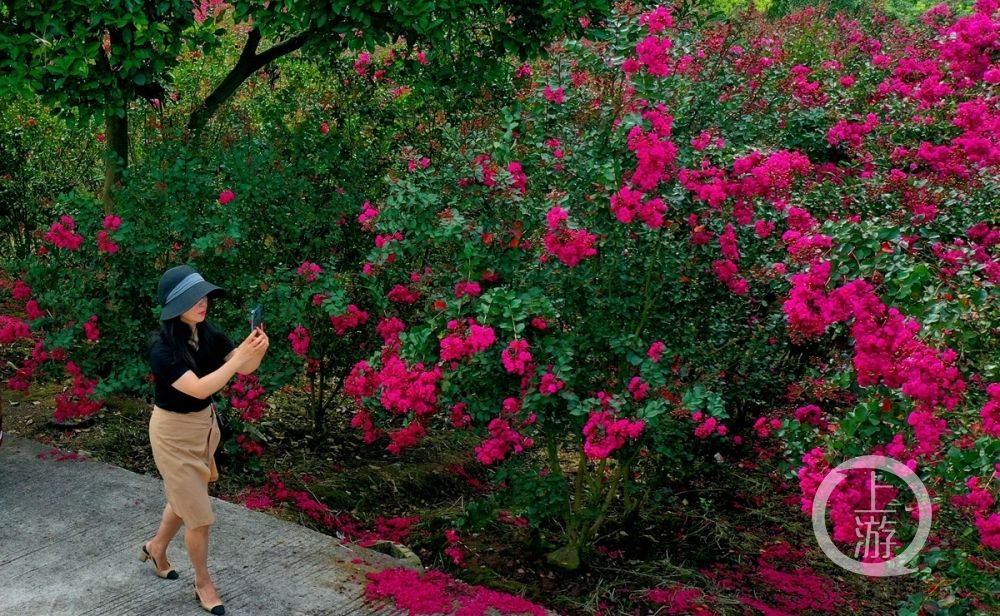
[(216, 609), (167, 574)]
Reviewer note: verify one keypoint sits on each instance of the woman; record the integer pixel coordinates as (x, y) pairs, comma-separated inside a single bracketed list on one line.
[(191, 360)]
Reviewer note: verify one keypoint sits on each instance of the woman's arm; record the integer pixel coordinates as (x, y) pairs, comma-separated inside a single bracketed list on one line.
[(203, 387), (249, 367), (249, 353)]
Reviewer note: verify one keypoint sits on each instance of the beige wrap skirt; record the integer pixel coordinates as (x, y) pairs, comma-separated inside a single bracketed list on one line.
[(184, 447)]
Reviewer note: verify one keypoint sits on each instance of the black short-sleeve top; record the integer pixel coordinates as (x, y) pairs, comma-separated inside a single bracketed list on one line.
[(168, 366)]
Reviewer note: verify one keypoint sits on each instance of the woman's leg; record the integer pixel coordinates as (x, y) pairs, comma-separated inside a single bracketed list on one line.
[(196, 540), (170, 523)]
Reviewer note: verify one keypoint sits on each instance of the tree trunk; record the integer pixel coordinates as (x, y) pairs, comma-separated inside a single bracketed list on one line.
[(248, 64), (116, 155), (319, 411)]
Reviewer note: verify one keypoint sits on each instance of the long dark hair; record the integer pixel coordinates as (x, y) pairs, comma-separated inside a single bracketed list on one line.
[(175, 334)]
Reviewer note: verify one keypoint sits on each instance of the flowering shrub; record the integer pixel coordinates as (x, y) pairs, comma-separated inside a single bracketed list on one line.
[(86, 291), (677, 243), (772, 239)]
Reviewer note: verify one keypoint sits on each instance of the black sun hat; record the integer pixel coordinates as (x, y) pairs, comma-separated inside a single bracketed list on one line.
[(180, 288)]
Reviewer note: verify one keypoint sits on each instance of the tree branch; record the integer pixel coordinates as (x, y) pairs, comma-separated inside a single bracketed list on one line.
[(249, 63)]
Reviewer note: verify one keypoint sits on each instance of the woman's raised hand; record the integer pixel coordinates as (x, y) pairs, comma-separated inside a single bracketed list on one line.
[(261, 342), (253, 347)]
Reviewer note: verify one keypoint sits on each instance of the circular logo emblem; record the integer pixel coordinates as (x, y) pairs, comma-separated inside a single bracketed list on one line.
[(874, 529)]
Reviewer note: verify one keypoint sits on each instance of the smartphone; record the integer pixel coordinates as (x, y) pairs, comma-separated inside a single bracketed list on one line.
[(256, 317)]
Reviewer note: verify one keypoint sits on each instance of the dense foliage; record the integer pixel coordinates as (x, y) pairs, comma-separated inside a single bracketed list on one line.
[(670, 246)]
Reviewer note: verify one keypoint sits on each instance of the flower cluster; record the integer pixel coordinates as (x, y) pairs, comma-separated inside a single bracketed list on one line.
[(13, 329), (502, 441), (990, 412), (467, 288), (568, 245), (368, 215), (423, 163), (63, 235), (549, 384), (21, 291), (407, 436), (655, 351), (728, 272), (459, 418), (519, 181), (655, 153), (454, 549), (247, 396), (389, 329), (477, 339), (604, 433), (77, 403), (657, 20), (763, 426), (708, 425), (638, 388), (381, 241), (23, 375), (516, 357), (309, 271), (104, 242), (555, 96), (203, 9), (852, 133), (627, 205), (979, 501), (812, 415), (299, 337), (352, 319), (249, 446), (403, 295), (653, 53), (362, 63), (90, 329), (405, 390), (851, 496)]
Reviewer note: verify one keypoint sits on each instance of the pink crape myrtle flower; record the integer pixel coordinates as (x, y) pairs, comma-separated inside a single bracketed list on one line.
[(310, 271), (299, 337), (90, 329), (516, 357), (654, 53), (604, 434), (478, 339), (990, 412), (570, 246), (503, 441), (549, 384), (352, 319), (555, 96), (368, 215), (63, 235), (467, 288), (657, 20)]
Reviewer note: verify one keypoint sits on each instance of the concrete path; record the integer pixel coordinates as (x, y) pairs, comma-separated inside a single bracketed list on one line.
[(71, 530)]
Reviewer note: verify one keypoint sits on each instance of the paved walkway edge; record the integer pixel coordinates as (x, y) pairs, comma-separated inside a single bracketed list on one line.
[(71, 530)]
